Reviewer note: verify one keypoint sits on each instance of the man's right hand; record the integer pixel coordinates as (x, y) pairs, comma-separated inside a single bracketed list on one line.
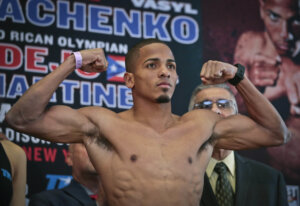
[(264, 70), (93, 60)]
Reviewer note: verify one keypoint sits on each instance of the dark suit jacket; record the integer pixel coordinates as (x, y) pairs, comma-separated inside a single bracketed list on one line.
[(71, 195), (256, 185)]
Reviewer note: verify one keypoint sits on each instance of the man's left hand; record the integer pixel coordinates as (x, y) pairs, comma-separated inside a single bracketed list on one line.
[(215, 72)]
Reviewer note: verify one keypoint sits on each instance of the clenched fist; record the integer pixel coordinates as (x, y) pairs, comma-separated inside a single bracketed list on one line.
[(264, 70), (215, 72), (93, 60)]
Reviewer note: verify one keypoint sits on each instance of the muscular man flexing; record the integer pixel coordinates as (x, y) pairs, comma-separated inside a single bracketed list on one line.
[(272, 61), (146, 155)]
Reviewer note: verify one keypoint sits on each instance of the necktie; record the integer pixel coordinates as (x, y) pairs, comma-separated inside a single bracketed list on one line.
[(224, 192), (94, 197)]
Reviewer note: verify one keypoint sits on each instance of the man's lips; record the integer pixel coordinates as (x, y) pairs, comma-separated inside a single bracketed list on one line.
[(283, 47), (164, 85)]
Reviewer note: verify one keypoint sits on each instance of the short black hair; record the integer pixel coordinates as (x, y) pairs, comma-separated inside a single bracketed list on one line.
[(133, 53)]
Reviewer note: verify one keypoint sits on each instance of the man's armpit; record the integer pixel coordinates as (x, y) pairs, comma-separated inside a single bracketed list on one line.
[(210, 142), (104, 143)]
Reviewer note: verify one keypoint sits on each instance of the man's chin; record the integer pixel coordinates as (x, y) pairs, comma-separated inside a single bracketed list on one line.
[(163, 99), (285, 52)]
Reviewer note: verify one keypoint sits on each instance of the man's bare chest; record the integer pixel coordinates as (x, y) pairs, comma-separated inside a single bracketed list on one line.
[(176, 140)]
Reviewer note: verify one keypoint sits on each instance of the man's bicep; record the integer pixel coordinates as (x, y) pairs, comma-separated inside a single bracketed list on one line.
[(60, 124), (239, 132)]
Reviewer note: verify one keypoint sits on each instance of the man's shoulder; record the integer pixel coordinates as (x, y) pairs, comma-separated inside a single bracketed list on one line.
[(201, 114), (100, 114), (252, 35), (56, 196), (49, 193), (251, 39), (250, 43), (198, 112), (47, 197)]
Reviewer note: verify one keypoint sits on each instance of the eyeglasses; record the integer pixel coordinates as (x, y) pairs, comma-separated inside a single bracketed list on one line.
[(208, 104)]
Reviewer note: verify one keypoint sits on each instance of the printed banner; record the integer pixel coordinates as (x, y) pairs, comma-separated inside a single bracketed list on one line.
[(37, 35)]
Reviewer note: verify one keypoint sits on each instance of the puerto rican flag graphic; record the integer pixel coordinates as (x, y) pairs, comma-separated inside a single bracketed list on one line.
[(116, 68)]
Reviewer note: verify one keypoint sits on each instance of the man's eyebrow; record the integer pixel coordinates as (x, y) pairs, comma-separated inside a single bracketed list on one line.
[(274, 13), (157, 59), (171, 60), (151, 59)]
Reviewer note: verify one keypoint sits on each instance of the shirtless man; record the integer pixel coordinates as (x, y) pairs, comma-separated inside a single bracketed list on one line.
[(146, 155), (272, 59)]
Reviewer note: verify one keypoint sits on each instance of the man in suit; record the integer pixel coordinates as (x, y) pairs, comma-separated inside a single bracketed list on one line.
[(250, 182), (84, 189)]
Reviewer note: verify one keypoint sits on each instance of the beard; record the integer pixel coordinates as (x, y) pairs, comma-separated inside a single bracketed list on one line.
[(163, 99)]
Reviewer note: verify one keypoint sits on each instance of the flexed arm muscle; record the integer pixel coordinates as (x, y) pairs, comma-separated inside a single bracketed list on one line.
[(264, 127), (58, 123)]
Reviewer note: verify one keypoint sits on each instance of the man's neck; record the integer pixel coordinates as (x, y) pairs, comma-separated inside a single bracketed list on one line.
[(155, 115), (220, 154)]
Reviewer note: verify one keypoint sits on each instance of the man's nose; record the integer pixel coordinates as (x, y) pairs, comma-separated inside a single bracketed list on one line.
[(285, 32), (164, 72), (216, 109)]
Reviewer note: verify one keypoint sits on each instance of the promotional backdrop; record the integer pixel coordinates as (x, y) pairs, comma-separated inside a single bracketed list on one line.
[(37, 35), (234, 31)]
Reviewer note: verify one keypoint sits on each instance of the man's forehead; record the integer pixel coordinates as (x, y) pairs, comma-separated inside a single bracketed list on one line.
[(287, 4), (155, 50), (213, 93)]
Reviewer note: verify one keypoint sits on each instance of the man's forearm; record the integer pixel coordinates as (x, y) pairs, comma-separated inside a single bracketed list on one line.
[(33, 103), (262, 111)]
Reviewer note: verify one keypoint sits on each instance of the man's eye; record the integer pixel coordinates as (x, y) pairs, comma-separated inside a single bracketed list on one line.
[(151, 66), (273, 17), (171, 66)]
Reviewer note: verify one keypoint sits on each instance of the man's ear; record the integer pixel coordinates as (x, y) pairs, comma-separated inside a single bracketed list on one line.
[(129, 80), (68, 159)]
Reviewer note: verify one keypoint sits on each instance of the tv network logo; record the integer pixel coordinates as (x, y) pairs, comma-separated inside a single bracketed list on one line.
[(6, 174), (116, 68), (58, 181)]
